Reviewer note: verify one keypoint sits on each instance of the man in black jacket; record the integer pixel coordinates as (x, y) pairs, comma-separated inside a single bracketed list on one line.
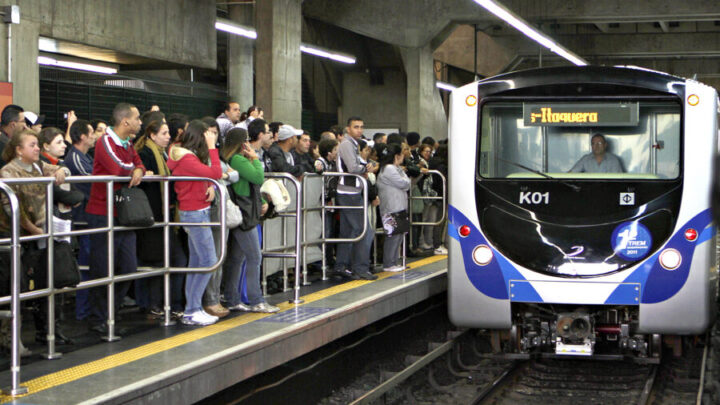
[(301, 153), (279, 152)]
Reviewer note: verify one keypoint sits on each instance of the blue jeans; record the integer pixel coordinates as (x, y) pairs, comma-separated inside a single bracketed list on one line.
[(244, 246), (354, 256), (202, 254)]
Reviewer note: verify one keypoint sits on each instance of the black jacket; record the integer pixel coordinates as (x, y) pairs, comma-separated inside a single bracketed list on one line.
[(280, 164), (150, 241)]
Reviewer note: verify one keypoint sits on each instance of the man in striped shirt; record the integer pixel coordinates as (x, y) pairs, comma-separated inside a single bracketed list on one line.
[(115, 156)]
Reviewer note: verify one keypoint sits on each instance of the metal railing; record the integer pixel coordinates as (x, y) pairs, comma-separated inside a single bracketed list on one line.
[(442, 198), (50, 291), (298, 248), (281, 251), (323, 208)]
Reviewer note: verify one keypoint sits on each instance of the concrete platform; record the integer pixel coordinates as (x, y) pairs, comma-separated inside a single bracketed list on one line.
[(181, 365)]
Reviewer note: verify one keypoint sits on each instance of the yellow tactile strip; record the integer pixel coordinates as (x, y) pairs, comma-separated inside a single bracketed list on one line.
[(128, 356)]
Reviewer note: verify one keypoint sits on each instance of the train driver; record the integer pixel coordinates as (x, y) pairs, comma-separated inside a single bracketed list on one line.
[(600, 160)]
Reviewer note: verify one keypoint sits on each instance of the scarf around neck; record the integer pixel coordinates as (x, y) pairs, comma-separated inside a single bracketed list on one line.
[(159, 155)]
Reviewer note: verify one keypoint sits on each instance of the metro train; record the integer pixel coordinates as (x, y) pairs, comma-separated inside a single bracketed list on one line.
[(567, 258)]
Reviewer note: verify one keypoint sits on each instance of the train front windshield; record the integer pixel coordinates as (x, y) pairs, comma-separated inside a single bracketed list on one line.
[(559, 181), (641, 140)]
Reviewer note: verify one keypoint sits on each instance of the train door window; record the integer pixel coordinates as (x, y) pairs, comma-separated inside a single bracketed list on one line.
[(645, 146)]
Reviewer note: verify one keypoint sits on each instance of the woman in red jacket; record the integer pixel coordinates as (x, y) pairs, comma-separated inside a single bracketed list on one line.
[(196, 155)]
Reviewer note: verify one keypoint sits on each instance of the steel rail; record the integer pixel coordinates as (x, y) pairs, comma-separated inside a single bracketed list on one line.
[(406, 373)]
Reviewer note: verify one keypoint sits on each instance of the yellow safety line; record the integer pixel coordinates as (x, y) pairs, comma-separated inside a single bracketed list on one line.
[(75, 373)]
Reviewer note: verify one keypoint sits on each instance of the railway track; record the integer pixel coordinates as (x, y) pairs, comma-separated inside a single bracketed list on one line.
[(563, 381), (440, 376)]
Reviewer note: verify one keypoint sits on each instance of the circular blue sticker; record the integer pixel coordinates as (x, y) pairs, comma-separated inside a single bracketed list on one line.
[(631, 240)]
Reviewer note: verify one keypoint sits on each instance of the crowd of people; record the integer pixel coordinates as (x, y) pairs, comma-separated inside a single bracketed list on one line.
[(237, 149)]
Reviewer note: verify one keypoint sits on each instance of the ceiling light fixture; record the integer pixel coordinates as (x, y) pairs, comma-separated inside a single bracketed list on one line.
[(237, 29), (511, 18), (228, 26), (445, 86), (326, 53), (48, 61)]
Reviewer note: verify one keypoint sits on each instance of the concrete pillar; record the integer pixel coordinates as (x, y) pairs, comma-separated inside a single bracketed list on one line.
[(240, 52), (278, 64), (425, 112), (24, 66)]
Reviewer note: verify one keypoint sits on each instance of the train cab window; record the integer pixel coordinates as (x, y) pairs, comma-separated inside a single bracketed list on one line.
[(541, 139)]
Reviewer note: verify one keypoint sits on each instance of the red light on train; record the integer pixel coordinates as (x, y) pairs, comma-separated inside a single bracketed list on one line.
[(464, 231), (691, 235)]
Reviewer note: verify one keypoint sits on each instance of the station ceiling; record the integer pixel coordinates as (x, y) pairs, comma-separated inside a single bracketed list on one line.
[(681, 38)]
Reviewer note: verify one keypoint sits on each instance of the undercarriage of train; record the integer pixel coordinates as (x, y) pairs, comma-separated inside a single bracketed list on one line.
[(564, 330)]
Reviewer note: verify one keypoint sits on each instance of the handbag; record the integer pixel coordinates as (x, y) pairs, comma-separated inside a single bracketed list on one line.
[(133, 208), (396, 223), (66, 272), (233, 215), (250, 207), (278, 194)]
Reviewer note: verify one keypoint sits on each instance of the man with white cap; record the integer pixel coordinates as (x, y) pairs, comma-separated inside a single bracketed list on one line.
[(34, 121), (282, 159)]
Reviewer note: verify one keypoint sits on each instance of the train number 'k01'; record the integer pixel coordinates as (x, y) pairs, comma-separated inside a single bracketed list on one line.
[(529, 197)]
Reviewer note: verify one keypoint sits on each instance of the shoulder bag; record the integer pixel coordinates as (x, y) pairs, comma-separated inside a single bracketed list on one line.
[(133, 207)]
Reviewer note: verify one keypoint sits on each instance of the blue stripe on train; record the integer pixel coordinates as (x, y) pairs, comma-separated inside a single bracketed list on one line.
[(657, 283), (491, 279)]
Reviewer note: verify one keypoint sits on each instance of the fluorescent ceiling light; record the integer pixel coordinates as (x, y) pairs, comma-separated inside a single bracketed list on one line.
[(228, 26), (326, 53), (522, 26), (237, 29), (445, 86), (49, 61)]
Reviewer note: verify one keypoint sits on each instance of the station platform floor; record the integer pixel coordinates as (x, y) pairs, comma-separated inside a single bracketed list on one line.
[(181, 364)]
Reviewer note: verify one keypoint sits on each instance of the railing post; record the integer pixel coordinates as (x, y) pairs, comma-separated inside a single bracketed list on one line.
[(304, 233), (15, 387), (263, 268), (50, 337), (323, 235), (111, 337), (167, 320), (298, 229)]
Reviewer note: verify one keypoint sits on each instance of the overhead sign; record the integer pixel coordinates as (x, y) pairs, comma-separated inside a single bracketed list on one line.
[(580, 114)]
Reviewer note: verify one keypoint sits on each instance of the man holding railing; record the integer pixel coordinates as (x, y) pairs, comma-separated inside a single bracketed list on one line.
[(115, 156)]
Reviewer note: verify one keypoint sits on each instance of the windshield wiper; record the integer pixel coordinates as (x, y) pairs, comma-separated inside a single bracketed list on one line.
[(574, 187)]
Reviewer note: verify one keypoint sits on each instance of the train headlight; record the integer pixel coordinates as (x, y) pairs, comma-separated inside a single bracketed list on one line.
[(482, 255), (693, 99), (464, 231), (670, 259)]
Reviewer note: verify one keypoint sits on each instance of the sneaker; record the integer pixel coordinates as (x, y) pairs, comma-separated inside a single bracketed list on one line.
[(155, 313), (344, 275), (217, 310), (441, 250), (177, 315), (264, 307), (366, 275), (240, 307), (424, 246), (198, 318), (395, 268)]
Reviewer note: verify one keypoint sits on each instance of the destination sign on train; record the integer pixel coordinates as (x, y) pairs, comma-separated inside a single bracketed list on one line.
[(580, 114)]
